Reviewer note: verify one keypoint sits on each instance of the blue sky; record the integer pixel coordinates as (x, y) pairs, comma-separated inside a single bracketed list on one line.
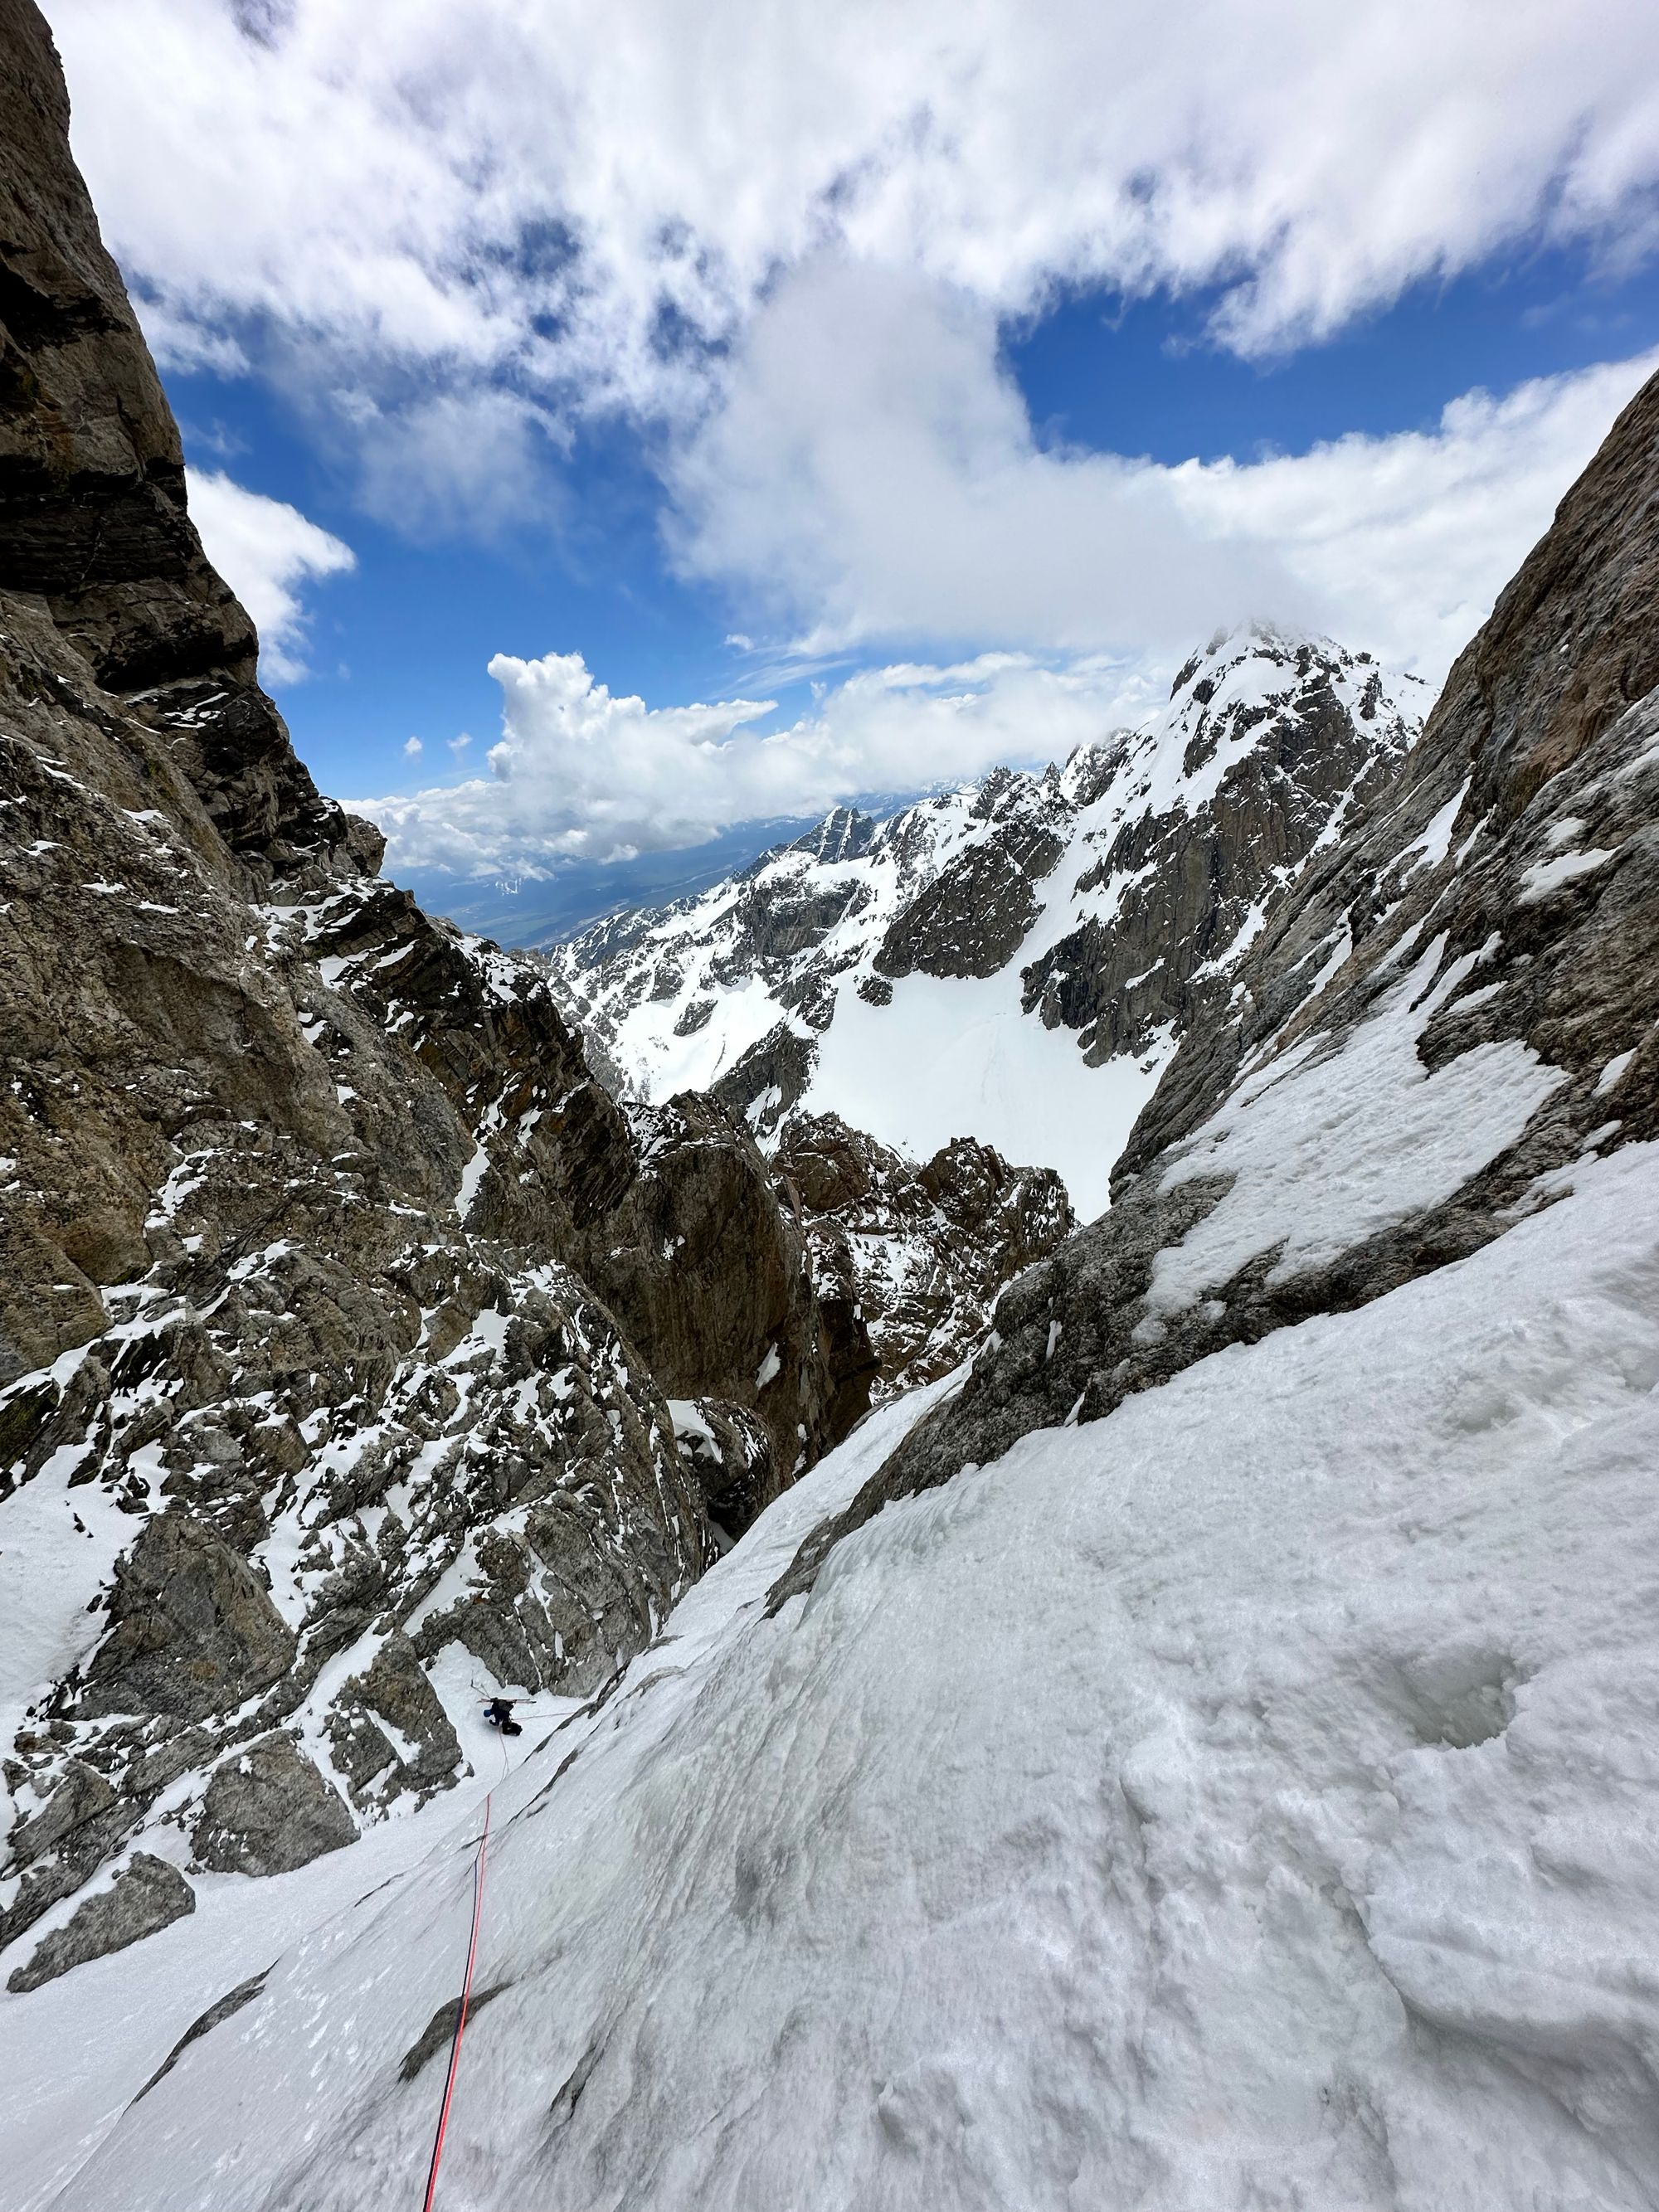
[(414, 627), (965, 369)]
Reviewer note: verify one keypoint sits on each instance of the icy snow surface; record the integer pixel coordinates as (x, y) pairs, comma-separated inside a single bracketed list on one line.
[(1245, 1801)]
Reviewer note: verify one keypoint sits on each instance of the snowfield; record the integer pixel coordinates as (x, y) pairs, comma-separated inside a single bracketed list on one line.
[(1249, 1800)]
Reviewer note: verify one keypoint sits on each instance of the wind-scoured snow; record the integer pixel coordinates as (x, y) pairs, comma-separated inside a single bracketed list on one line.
[(1247, 1800)]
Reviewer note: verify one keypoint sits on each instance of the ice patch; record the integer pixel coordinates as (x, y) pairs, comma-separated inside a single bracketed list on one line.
[(1545, 877)]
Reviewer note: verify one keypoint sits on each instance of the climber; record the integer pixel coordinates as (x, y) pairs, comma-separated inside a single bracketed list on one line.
[(499, 1713)]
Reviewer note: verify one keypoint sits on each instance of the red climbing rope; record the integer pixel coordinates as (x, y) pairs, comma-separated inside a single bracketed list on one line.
[(460, 2017)]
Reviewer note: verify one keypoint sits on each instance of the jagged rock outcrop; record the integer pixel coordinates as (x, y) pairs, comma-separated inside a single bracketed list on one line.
[(145, 1896), (1283, 742), (973, 916), (268, 1810), (326, 1343), (769, 1080), (746, 1327), (193, 1629), (1465, 990), (927, 1249), (733, 1454), (93, 519)]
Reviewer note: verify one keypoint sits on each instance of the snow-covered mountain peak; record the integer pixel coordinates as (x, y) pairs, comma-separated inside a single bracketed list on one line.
[(1012, 960)]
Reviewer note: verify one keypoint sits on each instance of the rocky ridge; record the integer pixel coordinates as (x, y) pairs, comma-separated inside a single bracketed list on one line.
[(339, 1305), (923, 1250)]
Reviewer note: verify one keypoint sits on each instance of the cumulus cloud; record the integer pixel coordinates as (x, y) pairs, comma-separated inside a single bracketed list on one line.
[(581, 775), (871, 473), (423, 201), (413, 748), (267, 552), (785, 245)]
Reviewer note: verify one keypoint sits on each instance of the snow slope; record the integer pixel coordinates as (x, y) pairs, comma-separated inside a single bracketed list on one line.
[(1014, 961), (1246, 1800)]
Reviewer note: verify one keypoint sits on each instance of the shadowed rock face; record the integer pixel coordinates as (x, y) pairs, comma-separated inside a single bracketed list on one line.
[(769, 1080), (925, 1251), (749, 1328), (974, 916), (733, 1454), (92, 492), (321, 1260), (1499, 895)]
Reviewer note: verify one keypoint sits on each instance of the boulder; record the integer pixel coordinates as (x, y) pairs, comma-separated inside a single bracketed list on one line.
[(268, 1810), (147, 1895), (416, 1749), (194, 1630)]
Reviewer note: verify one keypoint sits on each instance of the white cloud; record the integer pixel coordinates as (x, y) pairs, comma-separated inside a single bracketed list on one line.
[(872, 475), (266, 550), (413, 748), (785, 243), (1398, 545), (579, 775), (482, 207), (1403, 543)]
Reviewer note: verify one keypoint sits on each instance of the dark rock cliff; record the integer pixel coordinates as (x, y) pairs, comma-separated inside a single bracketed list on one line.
[(338, 1303)]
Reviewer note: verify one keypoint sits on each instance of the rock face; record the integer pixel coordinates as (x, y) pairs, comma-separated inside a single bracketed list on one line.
[(147, 1896), (733, 1454), (747, 1327), (927, 1249), (1466, 988), (267, 1810), (193, 1631), (338, 1301), (1109, 901)]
